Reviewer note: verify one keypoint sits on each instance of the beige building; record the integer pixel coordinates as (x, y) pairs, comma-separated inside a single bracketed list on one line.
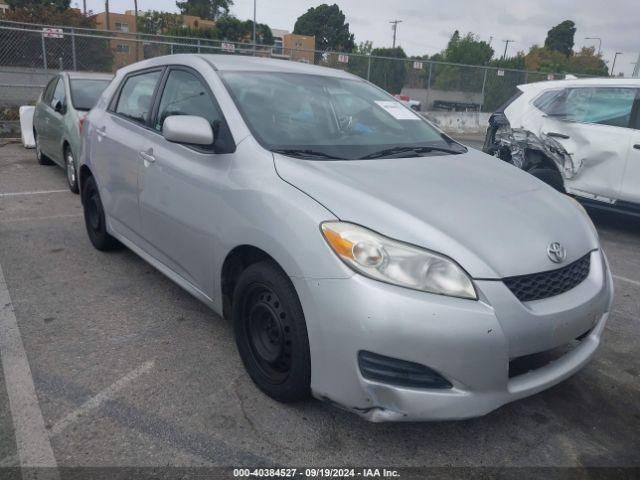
[(299, 48), (3, 7), (124, 52)]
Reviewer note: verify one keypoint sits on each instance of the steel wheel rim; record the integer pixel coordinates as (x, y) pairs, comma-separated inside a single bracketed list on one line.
[(268, 333), (71, 168)]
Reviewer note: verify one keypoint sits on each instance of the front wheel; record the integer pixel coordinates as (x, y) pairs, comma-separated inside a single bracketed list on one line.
[(94, 217), (41, 157), (72, 172), (550, 177), (271, 333)]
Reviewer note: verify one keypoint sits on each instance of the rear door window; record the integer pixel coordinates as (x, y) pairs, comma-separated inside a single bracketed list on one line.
[(48, 91), (59, 94), (136, 96), (596, 105)]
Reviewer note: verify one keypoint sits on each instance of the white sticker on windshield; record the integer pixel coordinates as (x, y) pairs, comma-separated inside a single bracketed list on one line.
[(397, 110)]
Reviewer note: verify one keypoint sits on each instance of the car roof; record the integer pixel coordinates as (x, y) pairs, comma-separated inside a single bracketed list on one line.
[(580, 82), (240, 63), (89, 75)]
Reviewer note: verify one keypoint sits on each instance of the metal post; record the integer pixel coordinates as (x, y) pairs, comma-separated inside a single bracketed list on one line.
[(369, 67), (198, 45), (428, 85), (484, 82), (73, 49), (254, 27), (44, 53), (172, 49)]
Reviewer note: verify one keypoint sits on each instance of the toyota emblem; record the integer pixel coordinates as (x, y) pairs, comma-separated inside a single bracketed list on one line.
[(556, 252)]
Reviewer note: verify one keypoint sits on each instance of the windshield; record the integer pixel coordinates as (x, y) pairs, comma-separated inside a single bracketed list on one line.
[(312, 116), (85, 93)]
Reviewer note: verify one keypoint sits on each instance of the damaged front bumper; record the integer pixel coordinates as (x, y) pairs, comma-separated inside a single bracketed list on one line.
[(526, 150), (471, 344)]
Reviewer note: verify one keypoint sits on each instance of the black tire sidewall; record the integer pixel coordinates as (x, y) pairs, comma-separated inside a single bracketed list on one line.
[(296, 386), (98, 236), (40, 156), (550, 177)]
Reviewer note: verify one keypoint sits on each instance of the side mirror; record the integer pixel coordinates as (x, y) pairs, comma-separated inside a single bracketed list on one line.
[(60, 107), (187, 129)]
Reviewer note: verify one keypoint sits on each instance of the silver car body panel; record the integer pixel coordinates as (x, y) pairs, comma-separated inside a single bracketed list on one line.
[(55, 129), (186, 211)]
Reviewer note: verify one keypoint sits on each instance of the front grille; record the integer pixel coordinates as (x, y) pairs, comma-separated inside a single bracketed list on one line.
[(538, 286)]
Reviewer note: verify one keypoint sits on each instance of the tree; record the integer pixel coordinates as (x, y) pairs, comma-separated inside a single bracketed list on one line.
[(207, 9), (561, 38), (388, 73), (468, 50), (588, 62), (157, 23), (20, 4), (235, 30), (542, 59), (327, 24)]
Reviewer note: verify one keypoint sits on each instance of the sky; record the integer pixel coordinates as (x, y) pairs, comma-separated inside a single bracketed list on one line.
[(427, 24)]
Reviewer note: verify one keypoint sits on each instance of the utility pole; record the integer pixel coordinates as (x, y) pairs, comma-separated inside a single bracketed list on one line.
[(84, 7), (135, 9), (254, 27), (599, 43), (506, 45), (106, 11), (395, 30), (636, 70), (615, 57)]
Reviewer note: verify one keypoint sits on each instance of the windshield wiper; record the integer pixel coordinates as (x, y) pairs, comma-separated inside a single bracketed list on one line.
[(305, 153), (424, 149)]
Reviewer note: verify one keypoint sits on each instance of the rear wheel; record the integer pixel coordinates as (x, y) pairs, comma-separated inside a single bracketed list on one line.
[(550, 177), (271, 333), (42, 158), (94, 217), (70, 167)]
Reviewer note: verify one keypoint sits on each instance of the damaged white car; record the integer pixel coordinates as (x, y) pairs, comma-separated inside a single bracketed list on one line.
[(580, 136)]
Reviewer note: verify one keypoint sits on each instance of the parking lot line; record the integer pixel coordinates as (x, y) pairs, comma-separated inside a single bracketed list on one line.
[(102, 397), (32, 440), (628, 280), (35, 192)]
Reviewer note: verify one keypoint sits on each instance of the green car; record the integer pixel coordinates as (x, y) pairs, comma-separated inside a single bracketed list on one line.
[(58, 117)]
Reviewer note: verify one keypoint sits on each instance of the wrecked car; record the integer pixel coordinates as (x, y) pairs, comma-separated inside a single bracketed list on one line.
[(580, 136)]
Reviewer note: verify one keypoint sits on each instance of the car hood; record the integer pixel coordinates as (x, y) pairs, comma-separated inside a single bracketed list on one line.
[(495, 220)]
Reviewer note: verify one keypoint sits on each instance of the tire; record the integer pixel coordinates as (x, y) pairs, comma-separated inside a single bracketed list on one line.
[(94, 218), (271, 333), (550, 177), (41, 157), (71, 170)]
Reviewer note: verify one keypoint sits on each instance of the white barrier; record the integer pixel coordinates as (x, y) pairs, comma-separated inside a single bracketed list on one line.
[(26, 127), (459, 122)]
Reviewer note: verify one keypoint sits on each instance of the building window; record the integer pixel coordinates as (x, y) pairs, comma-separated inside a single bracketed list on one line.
[(277, 46), (122, 27), (122, 48)]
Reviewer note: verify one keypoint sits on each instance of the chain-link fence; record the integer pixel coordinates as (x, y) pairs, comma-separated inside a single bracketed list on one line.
[(30, 54)]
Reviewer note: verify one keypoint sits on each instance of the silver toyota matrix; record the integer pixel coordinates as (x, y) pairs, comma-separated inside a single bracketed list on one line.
[(362, 256)]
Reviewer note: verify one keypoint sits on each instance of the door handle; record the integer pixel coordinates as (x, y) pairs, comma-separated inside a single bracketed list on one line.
[(101, 131), (557, 135), (637, 146), (147, 156)]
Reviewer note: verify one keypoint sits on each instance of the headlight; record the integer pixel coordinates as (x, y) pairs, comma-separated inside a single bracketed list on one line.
[(390, 261)]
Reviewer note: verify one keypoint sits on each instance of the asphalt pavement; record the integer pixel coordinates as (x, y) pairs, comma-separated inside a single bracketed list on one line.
[(127, 369)]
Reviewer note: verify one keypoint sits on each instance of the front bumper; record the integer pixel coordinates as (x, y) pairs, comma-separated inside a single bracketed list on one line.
[(470, 343)]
